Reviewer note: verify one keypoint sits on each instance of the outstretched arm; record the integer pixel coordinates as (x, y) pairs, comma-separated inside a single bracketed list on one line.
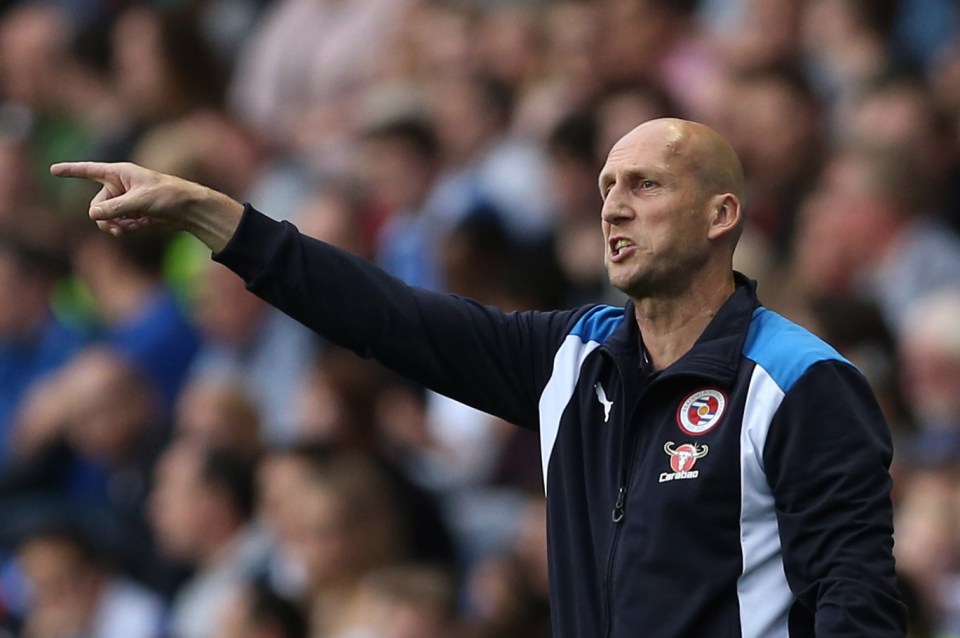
[(478, 355), (134, 197)]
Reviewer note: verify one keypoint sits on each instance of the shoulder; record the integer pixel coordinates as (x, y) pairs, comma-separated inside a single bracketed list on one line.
[(597, 323), (784, 349)]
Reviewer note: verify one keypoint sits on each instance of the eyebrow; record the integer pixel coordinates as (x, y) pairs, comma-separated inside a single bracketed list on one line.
[(631, 174)]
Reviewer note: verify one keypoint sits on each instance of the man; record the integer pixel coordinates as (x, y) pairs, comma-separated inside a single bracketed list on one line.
[(73, 592), (34, 342), (711, 469), (201, 510)]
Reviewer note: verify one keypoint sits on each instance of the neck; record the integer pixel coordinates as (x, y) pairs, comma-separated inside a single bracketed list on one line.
[(671, 325)]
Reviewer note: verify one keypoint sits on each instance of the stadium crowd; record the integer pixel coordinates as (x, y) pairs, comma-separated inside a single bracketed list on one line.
[(177, 459)]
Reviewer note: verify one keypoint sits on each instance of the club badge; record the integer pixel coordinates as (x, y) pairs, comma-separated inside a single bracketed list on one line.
[(700, 412)]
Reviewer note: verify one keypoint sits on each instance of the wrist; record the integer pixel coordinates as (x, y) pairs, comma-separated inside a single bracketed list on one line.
[(212, 217)]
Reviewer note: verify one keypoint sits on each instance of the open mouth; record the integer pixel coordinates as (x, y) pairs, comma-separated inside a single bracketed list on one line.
[(619, 248)]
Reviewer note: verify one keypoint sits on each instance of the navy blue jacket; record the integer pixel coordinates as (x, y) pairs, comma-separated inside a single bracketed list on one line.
[(741, 492)]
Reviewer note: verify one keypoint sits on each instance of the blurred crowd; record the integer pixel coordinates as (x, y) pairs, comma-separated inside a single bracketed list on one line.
[(179, 460)]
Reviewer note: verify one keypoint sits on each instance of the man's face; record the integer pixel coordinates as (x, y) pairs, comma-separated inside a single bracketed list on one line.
[(55, 570), (399, 174), (653, 218)]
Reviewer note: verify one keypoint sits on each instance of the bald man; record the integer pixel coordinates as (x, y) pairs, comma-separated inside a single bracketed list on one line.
[(711, 469)]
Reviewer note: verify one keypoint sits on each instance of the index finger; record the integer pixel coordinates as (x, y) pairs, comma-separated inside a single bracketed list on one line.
[(99, 171)]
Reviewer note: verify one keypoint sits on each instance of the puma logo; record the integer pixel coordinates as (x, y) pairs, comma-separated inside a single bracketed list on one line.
[(602, 397)]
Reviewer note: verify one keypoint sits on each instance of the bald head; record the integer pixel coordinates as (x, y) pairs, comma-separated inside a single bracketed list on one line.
[(700, 149), (697, 152), (671, 213)]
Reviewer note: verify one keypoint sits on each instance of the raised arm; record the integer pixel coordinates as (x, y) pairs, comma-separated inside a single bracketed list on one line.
[(134, 197), (491, 360)]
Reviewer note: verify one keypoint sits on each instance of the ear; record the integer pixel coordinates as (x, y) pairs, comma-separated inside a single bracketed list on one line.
[(725, 217)]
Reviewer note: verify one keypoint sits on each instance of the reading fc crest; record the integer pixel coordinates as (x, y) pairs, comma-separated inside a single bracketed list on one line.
[(701, 411)]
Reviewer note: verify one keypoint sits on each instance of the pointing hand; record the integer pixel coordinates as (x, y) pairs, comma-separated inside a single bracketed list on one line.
[(134, 197)]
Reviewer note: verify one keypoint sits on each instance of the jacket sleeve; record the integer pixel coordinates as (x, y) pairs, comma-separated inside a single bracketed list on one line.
[(494, 361), (827, 458)]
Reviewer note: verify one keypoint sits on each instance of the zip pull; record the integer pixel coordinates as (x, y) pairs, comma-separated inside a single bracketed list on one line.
[(619, 505)]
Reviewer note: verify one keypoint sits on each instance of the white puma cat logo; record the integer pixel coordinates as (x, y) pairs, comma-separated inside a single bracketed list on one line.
[(602, 397)]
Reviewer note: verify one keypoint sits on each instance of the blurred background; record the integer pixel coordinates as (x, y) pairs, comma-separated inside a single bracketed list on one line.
[(179, 460)]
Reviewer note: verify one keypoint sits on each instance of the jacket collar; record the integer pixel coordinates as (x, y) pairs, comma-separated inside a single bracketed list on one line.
[(716, 353)]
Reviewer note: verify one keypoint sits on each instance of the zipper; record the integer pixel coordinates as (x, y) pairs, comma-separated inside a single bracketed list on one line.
[(619, 507), (620, 504), (627, 462), (608, 618)]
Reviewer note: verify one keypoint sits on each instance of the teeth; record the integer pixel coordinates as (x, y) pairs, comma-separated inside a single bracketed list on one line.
[(621, 244)]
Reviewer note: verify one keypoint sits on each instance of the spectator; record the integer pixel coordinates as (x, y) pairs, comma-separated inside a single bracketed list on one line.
[(300, 74), (347, 526), (257, 612), (36, 72), (248, 344), (279, 479), (423, 535), (338, 213), (567, 81), (336, 400), (201, 510), (76, 442), (34, 342), (930, 351), (572, 147), (284, 478), (403, 160), (163, 69), (774, 122), (865, 232), (639, 40), (509, 592), (764, 35), (926, 549), (844, 44), (216, 414), (139, 315), (899, 111), (73, 592), (507, 45), (486, 170), (403, 602), (18, 188)]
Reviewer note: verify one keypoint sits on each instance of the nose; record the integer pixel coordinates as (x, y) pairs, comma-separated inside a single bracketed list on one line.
[(615, 210)]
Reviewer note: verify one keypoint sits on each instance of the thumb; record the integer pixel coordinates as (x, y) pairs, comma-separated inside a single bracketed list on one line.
[(131, 204)]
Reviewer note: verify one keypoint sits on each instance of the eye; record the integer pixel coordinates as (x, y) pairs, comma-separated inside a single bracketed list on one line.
[(647, 184)]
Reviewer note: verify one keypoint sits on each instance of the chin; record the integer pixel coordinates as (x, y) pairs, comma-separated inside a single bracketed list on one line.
[(641, 285), (633, 287)]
